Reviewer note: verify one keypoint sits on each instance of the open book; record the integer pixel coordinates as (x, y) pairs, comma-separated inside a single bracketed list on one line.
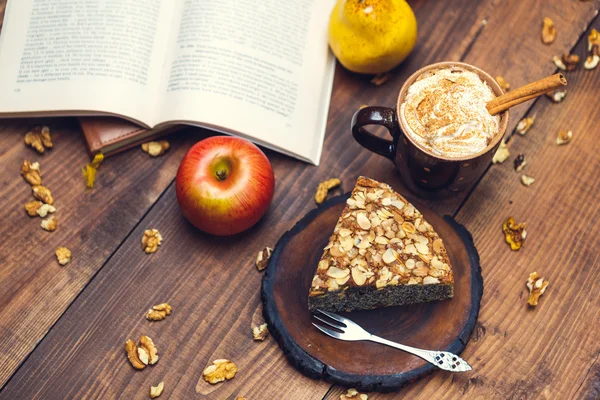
[(256, 69)]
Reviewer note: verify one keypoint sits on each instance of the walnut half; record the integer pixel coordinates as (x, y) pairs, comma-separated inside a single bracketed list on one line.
[(45, 209), (514, 233), (564, 137), (566, 62), (548, 31), (156, 149), (259, 333), (150, 348), (31, 173), (151, 240), (501, 154), (142, 355), (49, 224), (524, 125), (262, 259), (32, 207), (219, 371), (43, 193), (537, 287), (159, 312), (593, 57), (527, 180), (39, 138), (133, 355), (63, 255), (157, 390), (353, 394), (324, 188)]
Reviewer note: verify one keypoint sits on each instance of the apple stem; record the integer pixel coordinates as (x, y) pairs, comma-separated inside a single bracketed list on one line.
[(221, 174)]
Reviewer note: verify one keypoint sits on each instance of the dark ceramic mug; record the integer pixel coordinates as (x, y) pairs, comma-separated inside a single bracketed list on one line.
[(426, 174)]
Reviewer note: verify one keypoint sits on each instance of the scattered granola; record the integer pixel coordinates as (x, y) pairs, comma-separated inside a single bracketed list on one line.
[(219, 371), (537, 287), (557, 95), (548, 31), (503, 84), (324, 187), (259, 333), (150, 348), (89, 171), (527, 180), (159, 312), (45, 209), (524, 125), (353, 394), (63, 255), (593, 57), (39, 138), (43, 193), (155, 149), (157, 390), (49, 224), (566, 62), (514, 233), (262, 259), (133, 355), (31, 173), (564, 137), (151, 240), (380, 79), (501, 154), (32, 207), (520, 162)]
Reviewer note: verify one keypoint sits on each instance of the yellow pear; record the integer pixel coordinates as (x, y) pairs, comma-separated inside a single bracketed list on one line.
[(372, 36)]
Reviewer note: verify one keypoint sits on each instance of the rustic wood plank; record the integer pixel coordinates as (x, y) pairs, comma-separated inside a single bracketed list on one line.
[(295, 185), (548, 349), (93, 223), (510, 45), (550, 352), (34, 289), (293, 178)]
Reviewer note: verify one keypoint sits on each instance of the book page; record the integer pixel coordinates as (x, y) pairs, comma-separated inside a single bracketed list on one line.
[(260, 69), (67, 57)]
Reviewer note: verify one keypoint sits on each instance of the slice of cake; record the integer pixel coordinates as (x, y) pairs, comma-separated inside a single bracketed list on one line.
[(382, 253)]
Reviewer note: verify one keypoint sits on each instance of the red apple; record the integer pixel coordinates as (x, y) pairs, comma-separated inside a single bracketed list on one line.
[(224, 185)]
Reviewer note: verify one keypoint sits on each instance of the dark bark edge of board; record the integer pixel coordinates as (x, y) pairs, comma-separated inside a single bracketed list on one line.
[(314, 368)]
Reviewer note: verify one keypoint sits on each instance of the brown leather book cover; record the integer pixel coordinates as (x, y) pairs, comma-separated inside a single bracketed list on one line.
[(111, 135)]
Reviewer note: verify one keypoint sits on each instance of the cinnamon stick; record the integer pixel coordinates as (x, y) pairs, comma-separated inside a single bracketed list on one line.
[(524, 93)]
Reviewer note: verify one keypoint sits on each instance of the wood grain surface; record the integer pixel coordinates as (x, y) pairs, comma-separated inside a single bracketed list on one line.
[(34, 289), (552, 351), (549, 352), (129, 183)]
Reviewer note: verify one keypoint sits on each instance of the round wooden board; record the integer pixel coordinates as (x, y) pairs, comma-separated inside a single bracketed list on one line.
[(442, 325)]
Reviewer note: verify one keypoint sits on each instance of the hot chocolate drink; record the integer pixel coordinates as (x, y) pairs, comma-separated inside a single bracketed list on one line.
[(444, 112)]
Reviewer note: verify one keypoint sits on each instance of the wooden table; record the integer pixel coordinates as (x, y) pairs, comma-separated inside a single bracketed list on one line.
[(62, 329)]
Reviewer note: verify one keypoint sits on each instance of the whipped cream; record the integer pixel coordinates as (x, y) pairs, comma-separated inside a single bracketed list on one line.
[(445, 112)]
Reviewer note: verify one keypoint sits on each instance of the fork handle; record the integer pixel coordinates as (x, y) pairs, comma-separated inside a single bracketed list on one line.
[(424, 354)]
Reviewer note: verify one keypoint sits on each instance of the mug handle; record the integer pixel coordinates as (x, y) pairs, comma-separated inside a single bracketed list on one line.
[(375, 116)]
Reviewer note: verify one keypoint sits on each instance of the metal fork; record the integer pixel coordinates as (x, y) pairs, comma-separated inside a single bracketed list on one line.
[(351, 331)]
